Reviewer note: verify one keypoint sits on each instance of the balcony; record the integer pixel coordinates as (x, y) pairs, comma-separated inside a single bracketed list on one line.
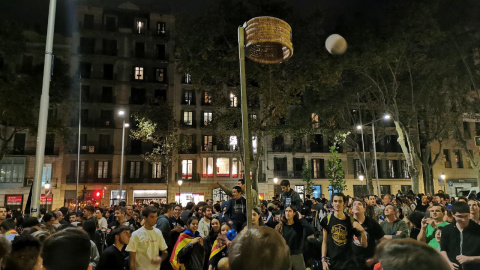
[(145, 180), (92, 149), (72, 179), (288, 148), (317, 148), (31, 151), (288, 174)]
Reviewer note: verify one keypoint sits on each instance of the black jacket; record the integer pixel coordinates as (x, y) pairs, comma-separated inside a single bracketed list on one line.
[(192, 256)]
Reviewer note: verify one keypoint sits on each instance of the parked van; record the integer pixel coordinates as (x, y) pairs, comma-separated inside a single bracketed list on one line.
[(466, 192)]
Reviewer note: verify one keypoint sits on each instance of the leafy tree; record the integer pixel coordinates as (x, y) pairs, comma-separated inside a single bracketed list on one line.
[(307, 177), (336, 174)]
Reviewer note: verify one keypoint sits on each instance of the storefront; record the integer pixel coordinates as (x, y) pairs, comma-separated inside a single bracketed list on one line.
[(46, 201), (186, 197), (148, 196), (115, 196), (14, 201)]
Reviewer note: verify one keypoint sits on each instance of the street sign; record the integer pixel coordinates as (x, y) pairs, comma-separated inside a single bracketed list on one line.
[(477, 141), (450, 183)]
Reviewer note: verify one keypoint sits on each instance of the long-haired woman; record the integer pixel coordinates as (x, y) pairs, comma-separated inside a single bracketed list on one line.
[(295, 231), (188, 252)]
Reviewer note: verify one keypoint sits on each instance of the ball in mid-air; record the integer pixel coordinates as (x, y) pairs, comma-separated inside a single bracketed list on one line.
[(336, 44)]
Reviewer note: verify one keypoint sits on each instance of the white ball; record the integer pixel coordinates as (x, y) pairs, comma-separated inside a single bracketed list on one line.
[(336, 44)]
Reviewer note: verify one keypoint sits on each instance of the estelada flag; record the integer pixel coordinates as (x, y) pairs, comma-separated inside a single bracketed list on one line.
[(184, 239), (216, 251)]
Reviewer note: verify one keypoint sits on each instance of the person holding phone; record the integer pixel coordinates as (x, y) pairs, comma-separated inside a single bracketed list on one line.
[(430, 224)]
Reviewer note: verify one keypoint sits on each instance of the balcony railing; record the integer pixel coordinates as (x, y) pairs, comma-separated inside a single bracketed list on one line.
[(30, 151), (72, 179), (145, 180), (288, 174)]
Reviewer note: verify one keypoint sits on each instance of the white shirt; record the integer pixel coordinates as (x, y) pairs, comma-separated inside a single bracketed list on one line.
[(102, 223), (204, 227), (146, 244)]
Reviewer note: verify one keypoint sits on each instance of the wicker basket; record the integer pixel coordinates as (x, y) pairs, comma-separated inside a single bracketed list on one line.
[(268, 40)]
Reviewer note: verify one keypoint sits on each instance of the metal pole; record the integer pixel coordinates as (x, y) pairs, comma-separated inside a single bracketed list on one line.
[(79, 142), (363, 142), (179, 195), (121, 162), (43, 114), (245, 134), (375, 153)]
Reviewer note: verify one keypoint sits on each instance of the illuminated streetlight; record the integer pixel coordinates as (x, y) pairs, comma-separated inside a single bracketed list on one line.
[(47, 186), (359, 127), (121, 112), (443, 176), (387, 117), (275, 180), (179, 182), (361, 177)]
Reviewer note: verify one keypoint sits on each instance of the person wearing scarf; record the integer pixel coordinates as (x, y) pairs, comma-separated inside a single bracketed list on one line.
[(188, 252)]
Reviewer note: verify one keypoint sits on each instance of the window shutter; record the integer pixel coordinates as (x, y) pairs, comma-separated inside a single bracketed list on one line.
[(194, 170), (312, 169), (150, 169), (194, 143), (86, 174), (128, 170), (141, 169), (182, 116), (109, 175), (96, 170)]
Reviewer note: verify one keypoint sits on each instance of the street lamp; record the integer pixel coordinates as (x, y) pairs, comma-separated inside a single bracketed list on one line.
[(385, 117), (124, 125), (361, 178), (443, 177), (179, 182), (275, 180)]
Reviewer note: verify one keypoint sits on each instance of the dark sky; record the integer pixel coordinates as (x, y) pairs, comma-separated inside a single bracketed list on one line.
[(34, 13)]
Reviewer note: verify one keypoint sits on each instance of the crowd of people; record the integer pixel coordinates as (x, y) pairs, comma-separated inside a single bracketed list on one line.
[(401, 231)]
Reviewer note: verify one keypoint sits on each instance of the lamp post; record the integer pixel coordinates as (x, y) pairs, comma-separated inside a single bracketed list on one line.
[(265, 40), (386, 117), (124, 125), (361, 178), (179, 182), (443, 177)]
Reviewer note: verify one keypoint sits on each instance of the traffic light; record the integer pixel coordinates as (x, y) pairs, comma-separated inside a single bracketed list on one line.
[(98, 193), (477, 141)]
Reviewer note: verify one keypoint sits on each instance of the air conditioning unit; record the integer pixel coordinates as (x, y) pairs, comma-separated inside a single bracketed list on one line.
[(84, 147), (91, 149)]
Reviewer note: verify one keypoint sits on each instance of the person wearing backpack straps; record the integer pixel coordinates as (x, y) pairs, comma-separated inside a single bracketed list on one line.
[(338, 233)]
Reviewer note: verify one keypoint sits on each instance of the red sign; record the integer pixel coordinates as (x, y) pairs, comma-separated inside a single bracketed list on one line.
[(47, 200), (15, 200)]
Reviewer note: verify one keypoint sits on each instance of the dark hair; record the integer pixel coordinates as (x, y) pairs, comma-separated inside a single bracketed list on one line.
[(191, 219), (165, 208), (460, 207), (442, 207), (8, 224), (339, 194), (275, 212), (284, 183), (296, 218), (121, 209), (217, 207), (149, 210), (359, 200), (404, 254), (48, 216), (241, 180), (416, 218), (5, 247), (122, 204), (24, 254), (101, 210), (177, 205), (238, 189), (118, 230), (89, 208), (67, 249), (30, 222), (260, 219), (259, 248), (190, 205), (205, 207)]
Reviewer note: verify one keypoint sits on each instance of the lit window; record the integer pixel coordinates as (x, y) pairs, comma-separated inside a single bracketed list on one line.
[(188, 97), (223, 167), (207, 98), (207, 118), (233, 100), (139, 73), (135, 169), (102, 171), (188, 118), (207, 143), (157, 170), (233, 142), (160, 74), (315, 123), (188, 78), (187, 169), (141, 26), (254, 144), (253, 116), (207, 167), (161, 28)]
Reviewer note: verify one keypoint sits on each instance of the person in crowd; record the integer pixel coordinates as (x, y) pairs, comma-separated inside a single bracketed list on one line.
[(147, 243), (24, 253), (89, 225), (67, 249), (429, 225), (219, 248), (48, 220), (163, 224), (72, 218), (460, 243), (176, 223), (5, 247), (204, 223), (393, 227), (259, 248), (295, 231), (120, 216), (241, 184), (256, 217), (407, 254), (474, 211), (3, 214), (379, 208), (102, 221), (130, 217), (236, 209), (372, 229), (8, 229), (290, 196), (272, 223), (59, 218), (188, 252), (187, 212), (423, 206), (415, 223), (338, 232), (113, 257), (210, 239)]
